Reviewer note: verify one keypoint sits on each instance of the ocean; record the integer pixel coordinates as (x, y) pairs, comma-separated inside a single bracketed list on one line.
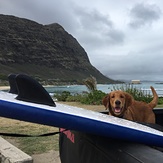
[(74, 89)]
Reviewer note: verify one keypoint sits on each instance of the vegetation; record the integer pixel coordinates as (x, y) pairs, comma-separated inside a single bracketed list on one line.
[(91, 98), (160, 102), (94, 96), (138, 94), (30, 145), (91, 83), (27, 56), (63, 96)]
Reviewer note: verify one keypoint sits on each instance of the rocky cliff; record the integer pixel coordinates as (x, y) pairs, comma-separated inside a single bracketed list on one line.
[(47, 52)]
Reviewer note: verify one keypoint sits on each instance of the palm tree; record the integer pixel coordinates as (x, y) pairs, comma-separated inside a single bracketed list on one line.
[(91, 83)]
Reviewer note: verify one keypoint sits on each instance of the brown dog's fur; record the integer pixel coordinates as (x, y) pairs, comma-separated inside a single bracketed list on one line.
[(122, 104)]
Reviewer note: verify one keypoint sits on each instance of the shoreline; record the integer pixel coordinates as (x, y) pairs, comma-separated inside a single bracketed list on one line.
[(8, 87), (4, 88)]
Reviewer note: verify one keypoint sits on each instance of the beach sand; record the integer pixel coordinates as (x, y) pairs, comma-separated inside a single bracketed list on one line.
[(4, 88)]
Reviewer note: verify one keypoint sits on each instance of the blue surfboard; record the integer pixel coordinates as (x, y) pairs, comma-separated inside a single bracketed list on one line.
[(74, 118)]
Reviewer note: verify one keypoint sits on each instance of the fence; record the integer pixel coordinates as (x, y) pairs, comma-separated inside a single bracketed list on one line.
[(159, 92)]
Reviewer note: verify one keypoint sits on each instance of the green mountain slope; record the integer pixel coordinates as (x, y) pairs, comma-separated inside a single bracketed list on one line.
[(46, 52)]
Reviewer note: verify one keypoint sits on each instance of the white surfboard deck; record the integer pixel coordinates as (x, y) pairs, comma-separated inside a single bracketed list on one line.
[(78, 119)]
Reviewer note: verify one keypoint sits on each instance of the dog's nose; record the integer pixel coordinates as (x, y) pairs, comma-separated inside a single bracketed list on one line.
[(117, 102)]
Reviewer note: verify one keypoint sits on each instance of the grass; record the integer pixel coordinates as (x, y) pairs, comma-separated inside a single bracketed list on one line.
[(36, 145), (159, 106), (30, 145)]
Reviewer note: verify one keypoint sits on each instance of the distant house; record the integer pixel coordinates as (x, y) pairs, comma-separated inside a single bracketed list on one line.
[(135, 81)]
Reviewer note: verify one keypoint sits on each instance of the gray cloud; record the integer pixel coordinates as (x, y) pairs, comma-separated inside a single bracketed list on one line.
[(92, 19), (116, 36), (90, 26), (43, 12), (142, 65), (144, 14), (96, 29)]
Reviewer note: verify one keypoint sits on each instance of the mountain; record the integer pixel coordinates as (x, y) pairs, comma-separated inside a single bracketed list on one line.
[(46, 52)]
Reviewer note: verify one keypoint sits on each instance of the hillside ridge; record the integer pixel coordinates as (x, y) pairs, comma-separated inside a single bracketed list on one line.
[(47, 52)]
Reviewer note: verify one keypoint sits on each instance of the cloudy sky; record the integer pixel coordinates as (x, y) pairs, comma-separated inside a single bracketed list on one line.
[(123, 38)]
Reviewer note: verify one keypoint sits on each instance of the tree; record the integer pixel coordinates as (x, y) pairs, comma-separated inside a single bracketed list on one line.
[(90, 83)]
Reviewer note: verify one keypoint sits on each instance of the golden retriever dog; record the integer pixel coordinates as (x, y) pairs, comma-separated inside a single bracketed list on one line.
[(122, 104)]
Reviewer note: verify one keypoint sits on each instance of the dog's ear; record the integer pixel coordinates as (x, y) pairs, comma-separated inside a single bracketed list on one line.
[(129, 100), (106, 101)]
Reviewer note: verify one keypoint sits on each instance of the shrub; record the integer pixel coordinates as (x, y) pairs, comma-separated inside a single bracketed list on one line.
[(94, 98), (62, 96), (160, 100), (75, 98), (138, 94)]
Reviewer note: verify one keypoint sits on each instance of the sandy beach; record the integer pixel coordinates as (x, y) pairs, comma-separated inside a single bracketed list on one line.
[(4, 88)]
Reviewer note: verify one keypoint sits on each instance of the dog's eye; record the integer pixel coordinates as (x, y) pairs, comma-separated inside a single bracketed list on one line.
[(121, 96), (112, 96)]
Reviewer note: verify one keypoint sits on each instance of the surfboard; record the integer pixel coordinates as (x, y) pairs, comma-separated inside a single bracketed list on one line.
[(18, 106)]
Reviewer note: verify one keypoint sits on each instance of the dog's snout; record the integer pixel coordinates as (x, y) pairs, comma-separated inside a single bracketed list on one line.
[(117, 102)]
